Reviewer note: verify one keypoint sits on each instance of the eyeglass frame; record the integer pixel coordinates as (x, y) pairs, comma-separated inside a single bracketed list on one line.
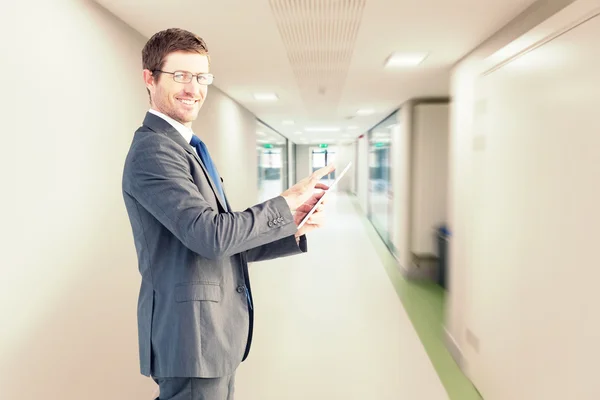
[(197, 76)]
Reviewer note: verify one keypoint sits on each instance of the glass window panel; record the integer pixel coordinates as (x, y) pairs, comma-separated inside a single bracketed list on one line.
[(271, 148), (380, 181)]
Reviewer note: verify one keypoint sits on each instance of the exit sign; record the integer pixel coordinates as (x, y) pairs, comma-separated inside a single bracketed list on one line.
[(323, 146), (268, 146)]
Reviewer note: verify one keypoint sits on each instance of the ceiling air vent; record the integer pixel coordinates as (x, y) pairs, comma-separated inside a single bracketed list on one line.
[(319, 37)]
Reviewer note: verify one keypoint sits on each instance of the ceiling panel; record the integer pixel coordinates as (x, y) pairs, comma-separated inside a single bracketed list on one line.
[(325, 58), (319, 38)]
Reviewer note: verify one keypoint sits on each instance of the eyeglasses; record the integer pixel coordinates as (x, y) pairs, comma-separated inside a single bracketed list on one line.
[(186, 77)]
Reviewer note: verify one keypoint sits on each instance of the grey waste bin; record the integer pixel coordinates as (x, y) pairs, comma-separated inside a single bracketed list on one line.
[(443, 236)]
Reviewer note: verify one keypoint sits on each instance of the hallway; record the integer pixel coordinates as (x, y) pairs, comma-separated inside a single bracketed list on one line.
[(473, 132), (329, 324)]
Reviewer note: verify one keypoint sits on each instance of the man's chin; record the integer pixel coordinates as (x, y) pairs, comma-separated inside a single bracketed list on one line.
[(186, 118), (190, 119)]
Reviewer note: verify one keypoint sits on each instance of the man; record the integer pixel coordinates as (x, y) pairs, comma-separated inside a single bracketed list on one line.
[(195, 310)]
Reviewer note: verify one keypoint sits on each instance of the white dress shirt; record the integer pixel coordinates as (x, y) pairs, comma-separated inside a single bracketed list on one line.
[(186, 132)]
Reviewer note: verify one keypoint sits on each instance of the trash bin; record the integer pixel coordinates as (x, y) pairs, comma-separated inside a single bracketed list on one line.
[(443, 236)]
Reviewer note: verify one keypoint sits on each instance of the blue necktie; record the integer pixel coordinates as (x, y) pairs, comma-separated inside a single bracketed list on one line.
[(208, 164)]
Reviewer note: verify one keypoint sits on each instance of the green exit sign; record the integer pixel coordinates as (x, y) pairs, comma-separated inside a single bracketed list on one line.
[(379, 144), (268, 146), (323, 146)]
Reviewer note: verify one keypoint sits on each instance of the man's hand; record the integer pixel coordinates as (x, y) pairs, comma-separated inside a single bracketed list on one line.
[(300, 193), (316, 220)]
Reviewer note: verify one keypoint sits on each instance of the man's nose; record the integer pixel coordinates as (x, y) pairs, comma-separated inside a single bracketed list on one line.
[(193, 87)]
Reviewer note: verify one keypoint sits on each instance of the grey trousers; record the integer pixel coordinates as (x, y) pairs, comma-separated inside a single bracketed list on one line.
[(196, 388)]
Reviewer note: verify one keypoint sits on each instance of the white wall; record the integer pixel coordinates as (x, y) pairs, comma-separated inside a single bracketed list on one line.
[(303, 167), (344, 155), (401, 183), (72, 97), (525, 167), (462, 107), (429, 175), (419, 178), (291, 158), (362, 172)]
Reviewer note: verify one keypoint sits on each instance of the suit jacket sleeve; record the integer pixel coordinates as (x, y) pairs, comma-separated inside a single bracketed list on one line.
[(158, 176), (280, 248)]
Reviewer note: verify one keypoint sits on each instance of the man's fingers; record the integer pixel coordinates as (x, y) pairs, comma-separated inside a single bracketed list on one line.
[(315, 197), (320, 173), (324, 199), (316, 219), (305, 208), (321, 186)]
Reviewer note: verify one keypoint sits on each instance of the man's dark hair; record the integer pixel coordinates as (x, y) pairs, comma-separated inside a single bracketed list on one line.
[(163, 43)]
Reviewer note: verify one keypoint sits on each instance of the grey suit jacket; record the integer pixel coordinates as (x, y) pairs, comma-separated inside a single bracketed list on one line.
[(195, 309)]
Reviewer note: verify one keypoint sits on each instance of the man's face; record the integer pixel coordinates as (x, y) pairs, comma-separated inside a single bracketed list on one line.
[(180, 101)]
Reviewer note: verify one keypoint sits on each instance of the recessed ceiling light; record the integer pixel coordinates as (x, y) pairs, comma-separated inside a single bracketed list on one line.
[(259, 133), (266, 96), (352, 127), (322, 129), (288, 122), (405, 59), (298, 133), (365, 111)]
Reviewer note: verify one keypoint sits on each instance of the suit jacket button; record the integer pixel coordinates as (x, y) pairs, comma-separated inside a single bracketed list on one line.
[(240, 289)]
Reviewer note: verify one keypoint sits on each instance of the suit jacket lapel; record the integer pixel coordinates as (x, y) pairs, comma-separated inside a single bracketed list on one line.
[(159, 125)]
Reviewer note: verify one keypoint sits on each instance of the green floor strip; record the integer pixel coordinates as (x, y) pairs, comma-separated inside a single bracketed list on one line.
[(424, 304)]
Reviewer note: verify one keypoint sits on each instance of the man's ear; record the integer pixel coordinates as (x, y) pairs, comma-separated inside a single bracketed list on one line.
[(148, 78)]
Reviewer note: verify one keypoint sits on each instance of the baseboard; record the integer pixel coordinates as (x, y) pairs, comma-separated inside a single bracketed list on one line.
[(423, 267), (453, 348)]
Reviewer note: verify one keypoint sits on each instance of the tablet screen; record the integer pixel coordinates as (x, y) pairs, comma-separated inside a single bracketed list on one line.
[(337, 179)]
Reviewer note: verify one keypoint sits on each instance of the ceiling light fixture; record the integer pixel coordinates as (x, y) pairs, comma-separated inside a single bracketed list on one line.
[(405, 59), (288, 122), (322, 141), (322, 129), (266, 96)]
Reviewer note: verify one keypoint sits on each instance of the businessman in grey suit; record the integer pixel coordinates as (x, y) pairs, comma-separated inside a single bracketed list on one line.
[(195, 311)]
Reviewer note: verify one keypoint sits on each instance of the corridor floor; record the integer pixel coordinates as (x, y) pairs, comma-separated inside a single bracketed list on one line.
[(329, 325)]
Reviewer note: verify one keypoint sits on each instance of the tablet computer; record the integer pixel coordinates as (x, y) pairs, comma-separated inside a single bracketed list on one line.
[(312, 210)]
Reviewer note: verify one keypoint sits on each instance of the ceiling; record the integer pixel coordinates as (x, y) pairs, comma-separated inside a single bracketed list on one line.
[(325, 58)]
